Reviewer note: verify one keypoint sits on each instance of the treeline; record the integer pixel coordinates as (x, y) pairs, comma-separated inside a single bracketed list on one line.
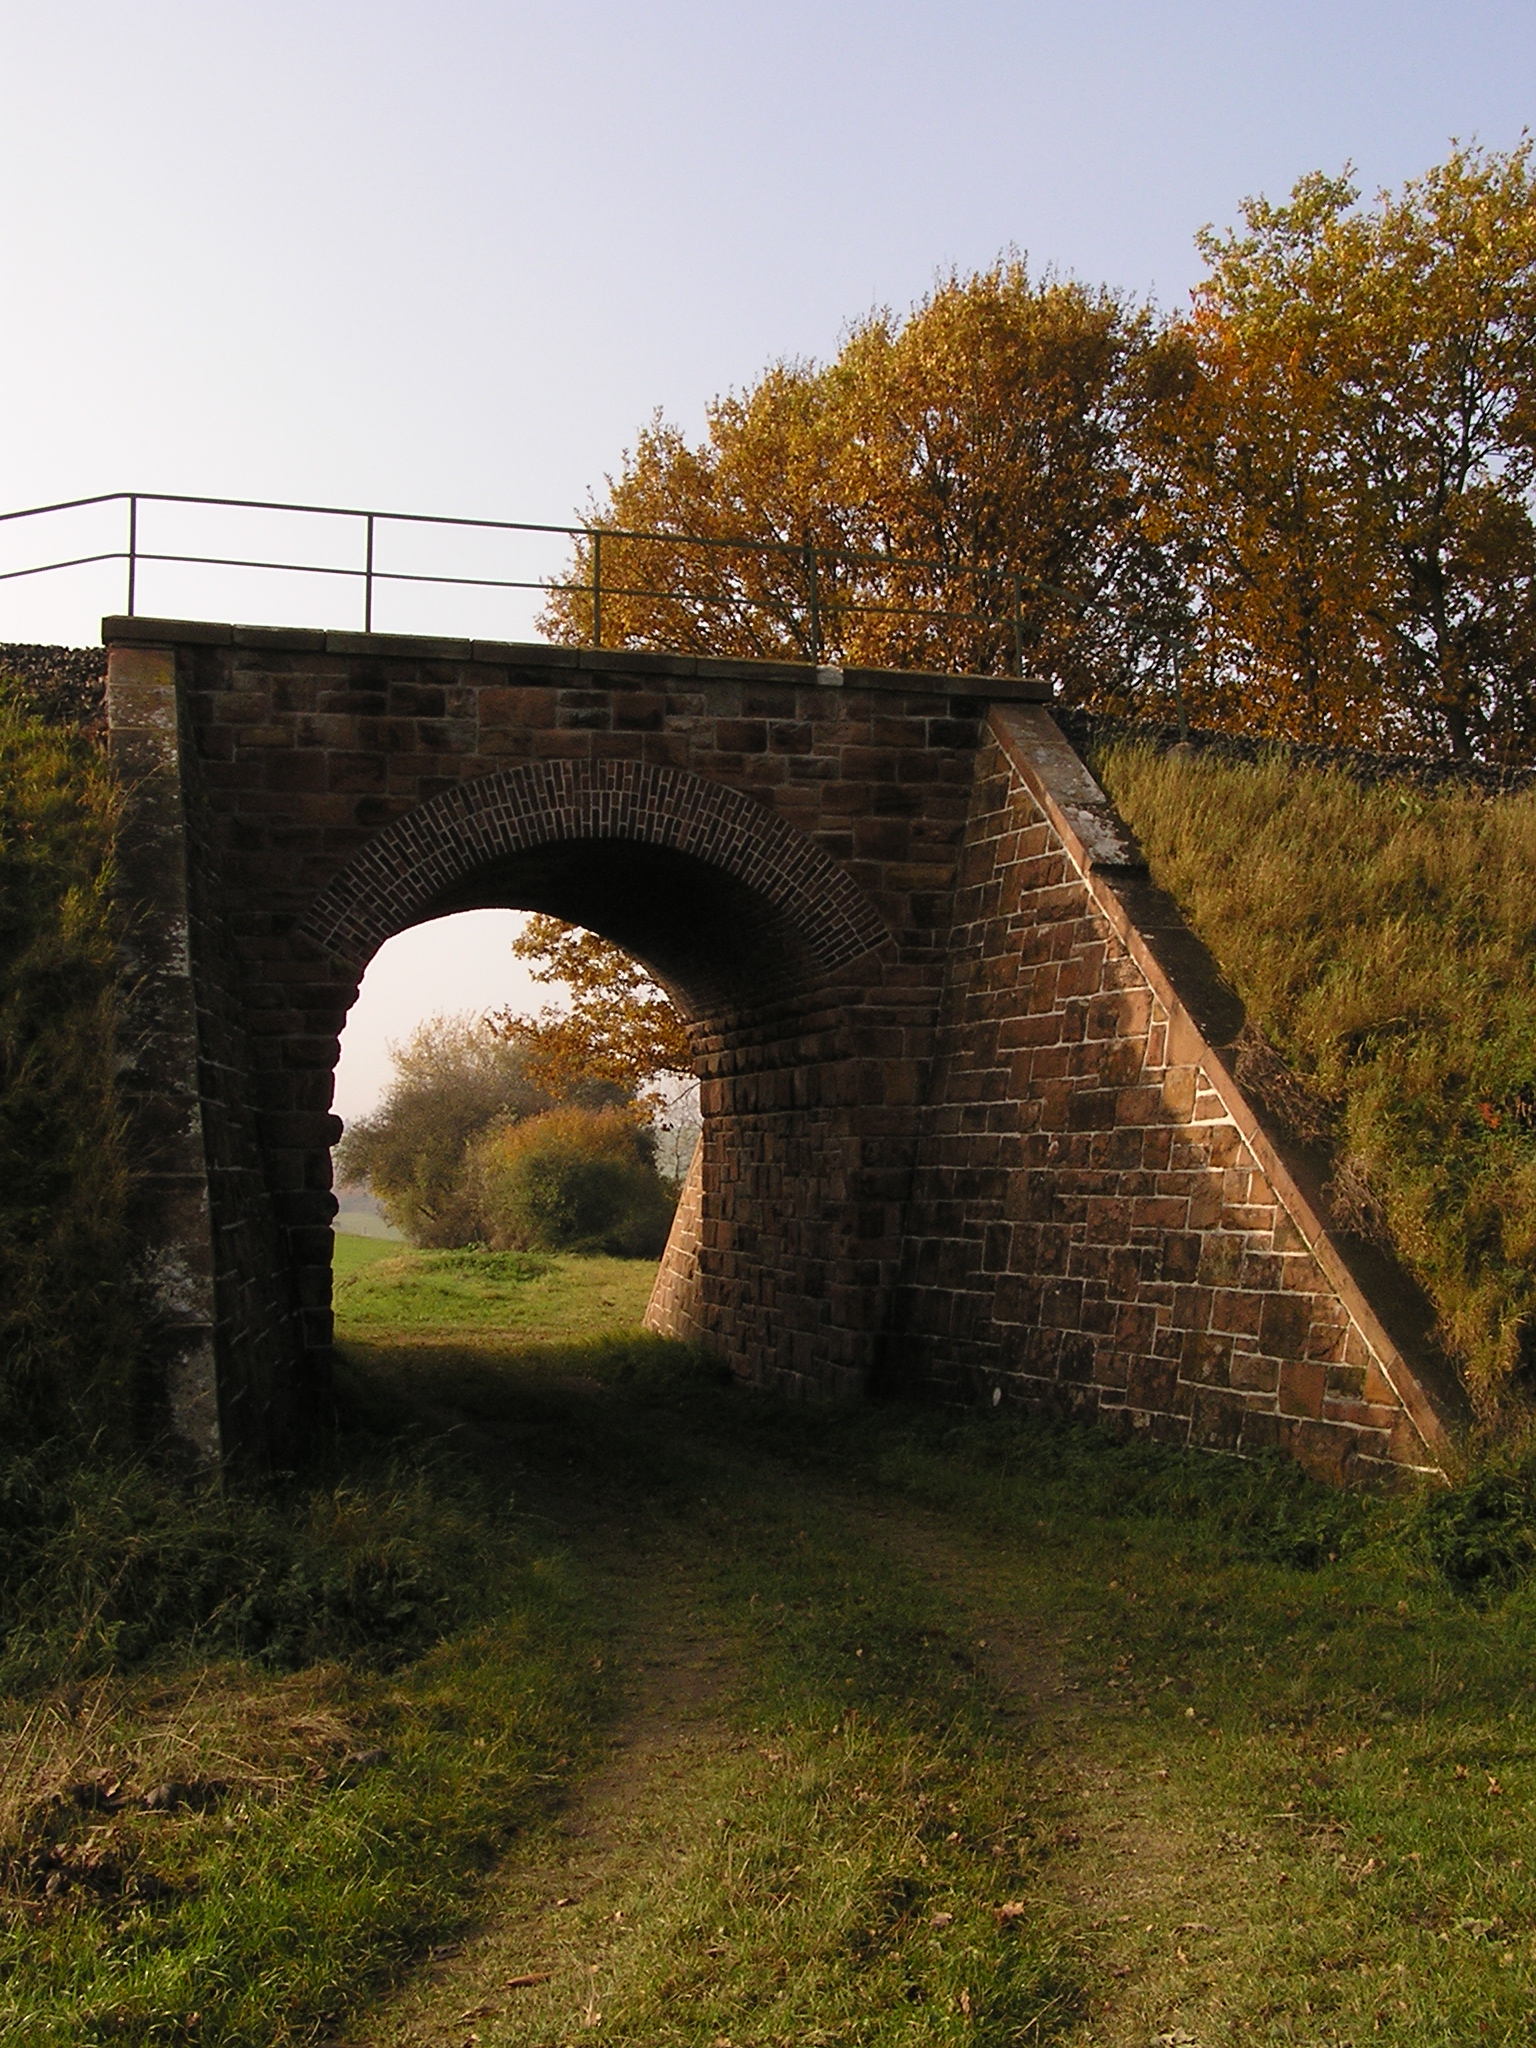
[(1301, 508)]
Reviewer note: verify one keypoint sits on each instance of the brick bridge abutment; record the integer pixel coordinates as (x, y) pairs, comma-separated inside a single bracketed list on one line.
[(972, 1129)]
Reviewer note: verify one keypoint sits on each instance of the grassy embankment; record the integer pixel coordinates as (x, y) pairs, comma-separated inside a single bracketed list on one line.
[(1385, 942), (1013, 1734), (66, 1334)]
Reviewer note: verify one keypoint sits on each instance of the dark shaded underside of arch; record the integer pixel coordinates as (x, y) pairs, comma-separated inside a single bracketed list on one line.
[(717, 895)]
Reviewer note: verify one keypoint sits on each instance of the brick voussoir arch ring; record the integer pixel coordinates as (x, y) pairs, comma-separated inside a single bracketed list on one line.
[(411, 863)]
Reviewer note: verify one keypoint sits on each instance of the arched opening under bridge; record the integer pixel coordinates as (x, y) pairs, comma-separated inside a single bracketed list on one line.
[(783, 1244)]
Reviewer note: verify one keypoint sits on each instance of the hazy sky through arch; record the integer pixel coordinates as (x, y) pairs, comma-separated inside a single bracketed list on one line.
[(448, 258), (449, 965)]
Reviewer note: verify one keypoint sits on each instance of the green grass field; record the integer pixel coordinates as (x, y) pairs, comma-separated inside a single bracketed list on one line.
[(384, 1291), (766, 1725)]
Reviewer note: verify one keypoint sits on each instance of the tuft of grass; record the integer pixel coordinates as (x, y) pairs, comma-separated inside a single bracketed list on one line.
[(109, 1564), (1385, 941)]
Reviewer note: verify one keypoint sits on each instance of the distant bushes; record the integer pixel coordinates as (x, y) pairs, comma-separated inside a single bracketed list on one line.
[(466, 1150), (67, 1330), (573, 1180), (1385, 941), (453, 1081)]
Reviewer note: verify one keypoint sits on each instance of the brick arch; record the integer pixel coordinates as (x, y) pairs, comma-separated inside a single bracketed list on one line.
[(417, 862)]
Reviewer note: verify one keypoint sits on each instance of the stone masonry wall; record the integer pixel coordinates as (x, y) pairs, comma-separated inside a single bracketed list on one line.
[(266, 1393), (675, 1306), (1098, 1222), (211, 1261), (970, 1118), (777, 843)]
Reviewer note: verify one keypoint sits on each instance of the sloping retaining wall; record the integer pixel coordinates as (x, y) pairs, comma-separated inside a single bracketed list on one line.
[(1099, 1219)]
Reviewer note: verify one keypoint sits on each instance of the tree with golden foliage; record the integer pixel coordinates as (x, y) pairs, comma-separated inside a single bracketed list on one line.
[(1307, 501), (619, 1034), (1348, 464), (952, 492)]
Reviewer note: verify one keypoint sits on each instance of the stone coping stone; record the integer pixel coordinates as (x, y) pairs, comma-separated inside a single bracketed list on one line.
[(120, 631)]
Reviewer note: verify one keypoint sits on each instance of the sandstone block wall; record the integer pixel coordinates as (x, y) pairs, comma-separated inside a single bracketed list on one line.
[(211, 1262), (1098, 1221), (676, 1306), (971, 1126)]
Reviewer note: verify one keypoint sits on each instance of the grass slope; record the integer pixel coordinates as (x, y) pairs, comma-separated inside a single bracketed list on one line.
[(67, 1334), (1385, 941)]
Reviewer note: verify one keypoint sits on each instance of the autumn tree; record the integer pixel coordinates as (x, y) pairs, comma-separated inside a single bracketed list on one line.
[(1347, 466), (618, 1035), (1306, 503), (952, 492)]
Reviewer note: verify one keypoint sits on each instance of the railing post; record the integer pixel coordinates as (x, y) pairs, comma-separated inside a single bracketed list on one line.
[(597, 587), (133, 549), (810, 573), (368, 581)]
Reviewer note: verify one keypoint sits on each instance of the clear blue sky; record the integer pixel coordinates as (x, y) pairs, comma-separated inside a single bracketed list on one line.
[(448, 257)]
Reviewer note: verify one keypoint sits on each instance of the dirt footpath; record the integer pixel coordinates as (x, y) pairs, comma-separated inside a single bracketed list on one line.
[(1147, 1893)]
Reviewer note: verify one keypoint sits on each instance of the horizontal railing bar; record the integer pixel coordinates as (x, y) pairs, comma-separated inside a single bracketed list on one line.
[(243, 562), (507, 583), (74, 562), (797, 550), (69, 505)]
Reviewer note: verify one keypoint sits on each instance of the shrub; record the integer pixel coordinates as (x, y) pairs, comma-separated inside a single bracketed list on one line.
[(1482, 1534), (453, 1081), (67, 1332), (574, 1180)]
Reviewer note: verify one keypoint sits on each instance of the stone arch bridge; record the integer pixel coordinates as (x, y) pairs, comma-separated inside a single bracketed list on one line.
[(972, 1126)]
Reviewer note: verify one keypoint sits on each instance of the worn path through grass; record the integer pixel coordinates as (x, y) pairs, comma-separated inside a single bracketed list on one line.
[(1008, 1735)]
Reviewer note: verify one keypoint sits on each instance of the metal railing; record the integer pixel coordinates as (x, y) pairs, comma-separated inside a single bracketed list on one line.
[(815, 567)]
